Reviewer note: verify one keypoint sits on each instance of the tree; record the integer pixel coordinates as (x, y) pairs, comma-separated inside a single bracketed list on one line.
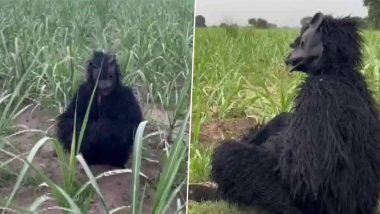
[(373, 12), (223, 25), (364, 22), (261, 23), (252, 22), (200, 21), (271, 25)]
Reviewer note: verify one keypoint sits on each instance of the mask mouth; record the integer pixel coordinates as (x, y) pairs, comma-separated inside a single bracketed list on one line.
[(296, 66), (105, 91), (105, 87), (302, 64)]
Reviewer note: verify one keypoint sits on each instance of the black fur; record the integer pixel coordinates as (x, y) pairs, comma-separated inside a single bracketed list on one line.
[(271, 128), (112, 122), (325, 157)]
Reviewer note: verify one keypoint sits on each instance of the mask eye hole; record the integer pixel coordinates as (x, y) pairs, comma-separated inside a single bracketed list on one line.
[(302, 43), (111, 71)]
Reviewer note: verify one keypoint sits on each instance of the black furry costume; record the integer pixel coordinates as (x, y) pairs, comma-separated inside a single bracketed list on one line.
[(113, 118), (324, 156)]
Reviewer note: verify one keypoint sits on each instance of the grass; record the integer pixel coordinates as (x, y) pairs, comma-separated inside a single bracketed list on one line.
[(240, 72), (44, 48), (250, 81), (200, 162), (218, 207)]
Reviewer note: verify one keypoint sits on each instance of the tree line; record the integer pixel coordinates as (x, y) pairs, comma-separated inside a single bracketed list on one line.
[(372, 21), (200, 21)]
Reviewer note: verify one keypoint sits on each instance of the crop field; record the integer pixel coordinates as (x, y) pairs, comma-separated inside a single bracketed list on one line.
[(44, 47), (240, 80)]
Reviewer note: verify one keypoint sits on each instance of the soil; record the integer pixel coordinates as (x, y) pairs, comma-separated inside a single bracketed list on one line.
[(215, 133), (235, 128), (116, 189), (203, 192)]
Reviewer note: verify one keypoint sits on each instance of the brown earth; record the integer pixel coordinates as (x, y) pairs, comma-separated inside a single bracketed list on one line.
[(213, 134), (206, 191), (235, 128), (115, 188)]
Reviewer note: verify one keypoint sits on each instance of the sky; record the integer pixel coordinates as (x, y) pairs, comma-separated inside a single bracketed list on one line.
[(280, 12)]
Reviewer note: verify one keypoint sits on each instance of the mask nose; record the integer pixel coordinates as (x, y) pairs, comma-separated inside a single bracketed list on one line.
[(104, 84), (293, 59)]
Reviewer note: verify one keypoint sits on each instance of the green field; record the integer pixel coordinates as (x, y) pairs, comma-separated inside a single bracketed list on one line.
[(44, 47), (240, 73)]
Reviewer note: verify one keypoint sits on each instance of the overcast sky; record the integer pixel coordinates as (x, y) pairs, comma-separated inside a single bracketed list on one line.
[(280, 12)]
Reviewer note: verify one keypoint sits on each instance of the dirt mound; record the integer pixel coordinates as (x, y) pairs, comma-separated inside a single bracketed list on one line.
[(235, 128), (203, 192)]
